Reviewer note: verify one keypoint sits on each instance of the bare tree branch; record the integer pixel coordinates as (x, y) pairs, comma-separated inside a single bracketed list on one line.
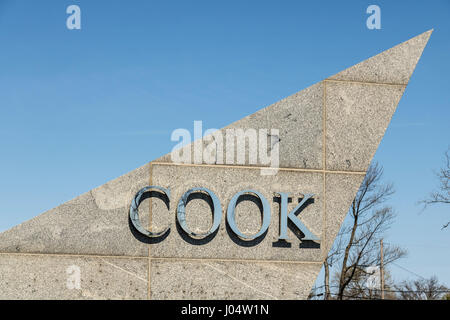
[(423, 289), (357, 246), (442, 194)]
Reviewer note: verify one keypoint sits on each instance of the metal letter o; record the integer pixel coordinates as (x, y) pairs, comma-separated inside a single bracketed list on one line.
[(181, 212), (134, 212), (231, 215)]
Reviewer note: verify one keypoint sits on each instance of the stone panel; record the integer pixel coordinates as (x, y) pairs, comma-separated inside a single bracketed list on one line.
[(225, 182), (299, 115), (391, 66), (93, 223), (357, 117), (342, 189), (39, 277), (231, 280)]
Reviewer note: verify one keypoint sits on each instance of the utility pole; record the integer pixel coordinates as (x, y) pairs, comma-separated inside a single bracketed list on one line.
[(381, 270)]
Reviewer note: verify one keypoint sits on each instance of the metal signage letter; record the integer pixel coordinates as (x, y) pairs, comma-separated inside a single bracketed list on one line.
[(181, 212), (284, 216), (134, 212), (265, 213)]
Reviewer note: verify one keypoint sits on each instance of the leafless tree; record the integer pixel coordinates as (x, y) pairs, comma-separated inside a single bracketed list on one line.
[(358, 288), (333, 257), (423, 289), (315, 294), (442, 194), (357, 245)]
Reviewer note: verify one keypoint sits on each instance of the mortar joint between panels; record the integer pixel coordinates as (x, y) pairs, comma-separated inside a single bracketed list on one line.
[(324, 127), (200, 260), (149, 276), (72, 255), (366, 82), (222, 166), (150, 259)]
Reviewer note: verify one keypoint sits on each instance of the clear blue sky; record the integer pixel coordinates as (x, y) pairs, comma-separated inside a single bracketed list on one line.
[(78, 108)]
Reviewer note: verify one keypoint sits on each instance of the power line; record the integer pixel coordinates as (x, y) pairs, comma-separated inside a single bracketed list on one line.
[(417, 275), (379, 298), (387, 290), (390, 290)]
